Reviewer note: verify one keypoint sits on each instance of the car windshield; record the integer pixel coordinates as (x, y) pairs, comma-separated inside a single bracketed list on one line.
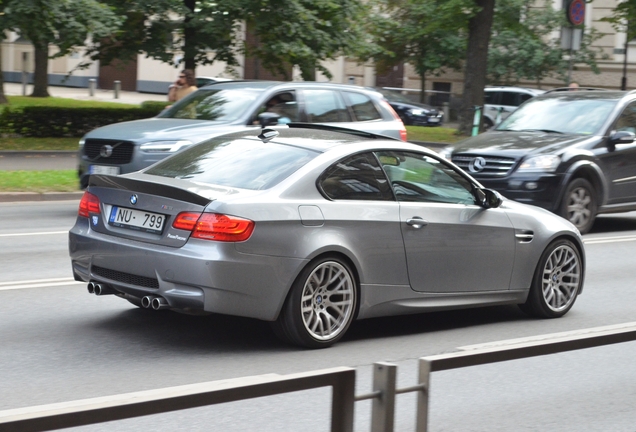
[(222, 105), (240, 163), (563, 114), (394, 96)]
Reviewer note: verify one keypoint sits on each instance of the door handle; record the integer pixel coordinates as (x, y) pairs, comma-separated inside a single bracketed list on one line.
[(416, 222)]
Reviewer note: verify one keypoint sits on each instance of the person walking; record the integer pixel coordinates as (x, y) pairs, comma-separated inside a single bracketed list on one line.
[(183, 86)]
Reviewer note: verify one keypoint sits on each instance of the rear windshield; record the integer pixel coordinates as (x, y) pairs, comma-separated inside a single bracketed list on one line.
[(240, 163), (222, 105)]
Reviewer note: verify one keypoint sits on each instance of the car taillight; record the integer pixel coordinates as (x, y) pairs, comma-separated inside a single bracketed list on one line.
[(88, 204), (403, 134), (214, 226), (396, 117)]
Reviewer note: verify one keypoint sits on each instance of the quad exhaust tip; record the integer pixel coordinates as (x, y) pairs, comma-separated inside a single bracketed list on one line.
[(154, 302), (99, 289)]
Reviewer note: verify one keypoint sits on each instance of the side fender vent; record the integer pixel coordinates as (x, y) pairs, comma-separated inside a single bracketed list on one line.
[(524, 236)]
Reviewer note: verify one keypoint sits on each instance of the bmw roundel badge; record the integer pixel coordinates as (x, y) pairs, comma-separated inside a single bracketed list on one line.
[(133, 199)]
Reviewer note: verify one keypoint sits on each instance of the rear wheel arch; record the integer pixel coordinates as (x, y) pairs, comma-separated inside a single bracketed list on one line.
[(317, 314)]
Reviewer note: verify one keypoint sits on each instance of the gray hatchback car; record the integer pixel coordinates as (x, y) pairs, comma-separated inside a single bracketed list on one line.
[(227, 107), (311, 228)]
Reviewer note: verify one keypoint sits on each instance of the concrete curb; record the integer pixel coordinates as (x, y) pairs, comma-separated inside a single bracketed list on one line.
[(6, 197)]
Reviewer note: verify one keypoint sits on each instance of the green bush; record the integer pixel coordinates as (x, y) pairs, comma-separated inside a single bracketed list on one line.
[(43, 121)]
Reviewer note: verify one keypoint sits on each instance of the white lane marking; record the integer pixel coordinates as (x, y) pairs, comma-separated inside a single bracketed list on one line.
[(38, 283), (600, 240), (34, 234)]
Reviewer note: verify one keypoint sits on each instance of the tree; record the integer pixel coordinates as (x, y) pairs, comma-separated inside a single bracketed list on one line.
[(65, 24), (522, 48), (476, 67), (623, 19), (291, 32), (429, 34)]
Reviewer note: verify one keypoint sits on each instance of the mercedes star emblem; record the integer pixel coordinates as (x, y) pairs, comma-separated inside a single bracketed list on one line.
[(477, 164)]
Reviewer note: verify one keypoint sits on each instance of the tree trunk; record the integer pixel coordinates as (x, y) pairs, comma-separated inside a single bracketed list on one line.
[(423, 88), (41, 71), (189, 37), (479, 28), (3, 99)]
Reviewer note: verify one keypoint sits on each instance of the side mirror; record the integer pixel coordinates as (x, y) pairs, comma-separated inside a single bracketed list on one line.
[(488, 198), (268, 119), (620, 137)]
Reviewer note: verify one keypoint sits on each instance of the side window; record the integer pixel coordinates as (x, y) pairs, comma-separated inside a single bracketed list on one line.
[(284, 104), (358, 177), (325, 106), (362, 107), (627, 120), (524, 97), (421, 178), (491, 97), (509, 99)]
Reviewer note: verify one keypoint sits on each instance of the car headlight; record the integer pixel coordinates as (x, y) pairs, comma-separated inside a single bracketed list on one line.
[(165, 146), (445, 152), (81, 142), (547, 163), (418, 112)]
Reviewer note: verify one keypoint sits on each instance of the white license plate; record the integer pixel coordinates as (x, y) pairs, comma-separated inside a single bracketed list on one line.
[(433, 120), (138, 220), (104, 169)]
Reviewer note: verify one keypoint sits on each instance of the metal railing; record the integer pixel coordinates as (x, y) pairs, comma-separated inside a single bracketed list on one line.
[(341, 380)]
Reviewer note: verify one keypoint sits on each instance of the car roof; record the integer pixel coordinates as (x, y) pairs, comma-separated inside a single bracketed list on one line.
[(588, 94), (311, 136), (261, 84), (513, 88)]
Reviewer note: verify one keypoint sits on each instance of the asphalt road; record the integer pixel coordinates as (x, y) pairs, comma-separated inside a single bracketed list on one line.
[(59, 343)]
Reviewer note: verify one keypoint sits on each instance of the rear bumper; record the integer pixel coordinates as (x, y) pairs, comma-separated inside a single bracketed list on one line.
[(200, 276)]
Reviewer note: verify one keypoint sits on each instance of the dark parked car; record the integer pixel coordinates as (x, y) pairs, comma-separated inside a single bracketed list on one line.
[(412, 113), (227, 107), (311, 228), (571, 152)]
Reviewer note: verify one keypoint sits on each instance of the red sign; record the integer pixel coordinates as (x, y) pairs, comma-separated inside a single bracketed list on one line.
[(576, 12)]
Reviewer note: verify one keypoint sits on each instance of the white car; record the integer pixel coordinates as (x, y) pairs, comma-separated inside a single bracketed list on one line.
[(501, 101)]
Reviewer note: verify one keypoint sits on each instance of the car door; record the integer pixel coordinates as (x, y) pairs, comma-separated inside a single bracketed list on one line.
[(451, 244), (363, 214), (620, 161)]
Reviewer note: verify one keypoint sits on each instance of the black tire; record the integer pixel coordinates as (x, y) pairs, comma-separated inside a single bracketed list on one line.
[(557, 281), (320, 306), (579, 204)]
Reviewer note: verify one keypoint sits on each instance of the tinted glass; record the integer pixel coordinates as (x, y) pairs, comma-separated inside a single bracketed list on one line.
[(627, 120), (510, 99), (362, 106), (491, 97), (214, 104), (421, 178), (241, 163), (324, 106), (358, 177), (562, 114)]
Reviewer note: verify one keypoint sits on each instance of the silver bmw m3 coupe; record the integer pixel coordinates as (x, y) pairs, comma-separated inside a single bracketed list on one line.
[(311, 227)]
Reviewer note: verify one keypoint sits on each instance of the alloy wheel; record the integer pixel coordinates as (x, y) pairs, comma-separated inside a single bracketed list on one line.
[(561, 278), (327, 300)]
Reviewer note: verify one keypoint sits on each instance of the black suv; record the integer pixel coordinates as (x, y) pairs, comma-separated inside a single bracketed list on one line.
[(571, 152)]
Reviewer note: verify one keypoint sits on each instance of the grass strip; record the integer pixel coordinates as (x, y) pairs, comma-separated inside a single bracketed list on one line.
[(39, 181), (433, 134)]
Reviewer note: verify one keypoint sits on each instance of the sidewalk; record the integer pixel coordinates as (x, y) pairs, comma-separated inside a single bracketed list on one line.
[(127, 97)]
